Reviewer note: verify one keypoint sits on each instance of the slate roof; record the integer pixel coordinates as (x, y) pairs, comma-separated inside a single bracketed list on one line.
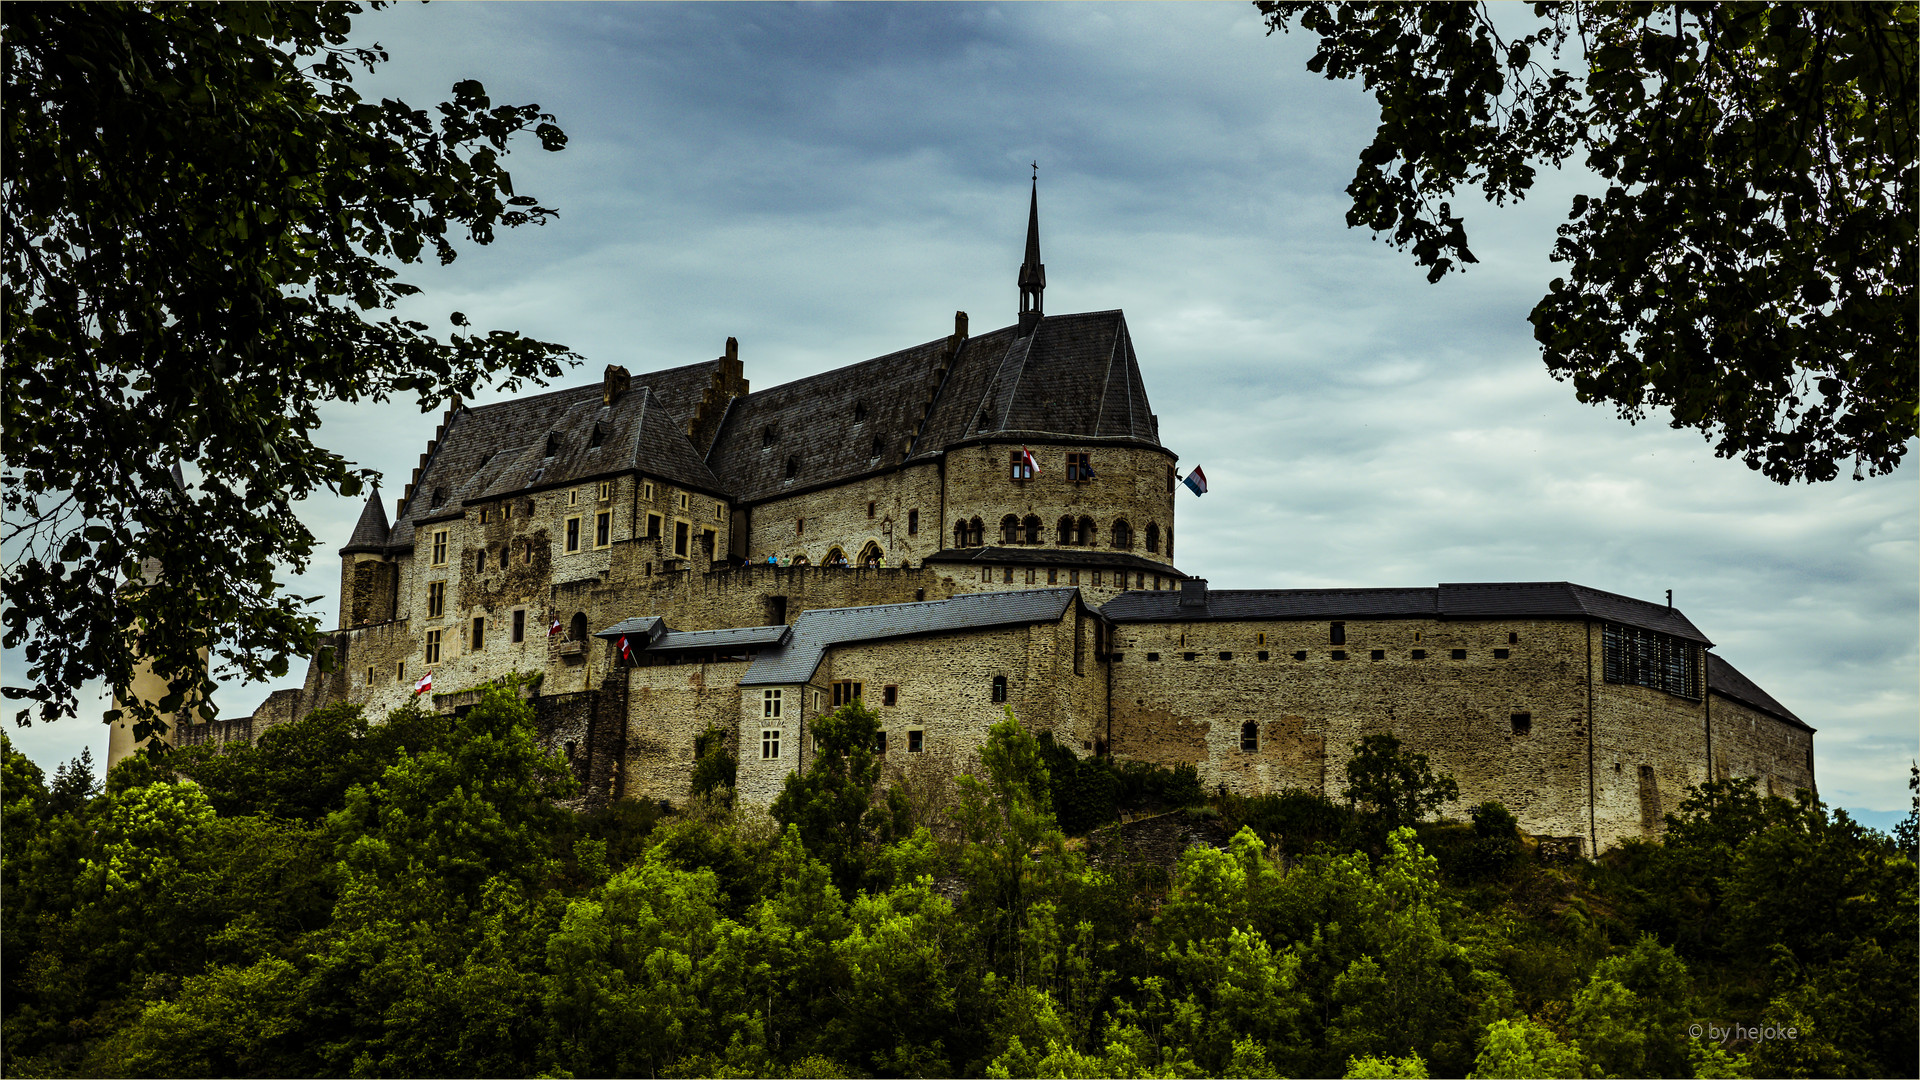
[(736, 637), (1483, 600), (370, 532), (1051, 556), (820, 628), (1074, 376), (492, 451), (1725, 679), (649, 627)]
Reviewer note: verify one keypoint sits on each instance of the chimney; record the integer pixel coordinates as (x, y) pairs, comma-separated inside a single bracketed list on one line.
[(614, 384), (960, 325), (1193, 592), (730, 370)]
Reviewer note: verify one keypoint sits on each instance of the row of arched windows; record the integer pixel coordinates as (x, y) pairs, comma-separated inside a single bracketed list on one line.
[(1069, 532)]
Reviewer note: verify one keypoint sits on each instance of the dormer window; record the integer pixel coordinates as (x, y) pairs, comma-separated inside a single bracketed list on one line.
[(768, 436), (860, 412), (553, 443), (875, 455), (439, 496), (793, 467), (597, 437)]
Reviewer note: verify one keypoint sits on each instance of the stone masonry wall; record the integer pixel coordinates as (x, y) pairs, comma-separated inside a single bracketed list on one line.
[(813, 524), (1649, 747), (1309, 712), (667, 709), (1748, 742), (1131, 484)]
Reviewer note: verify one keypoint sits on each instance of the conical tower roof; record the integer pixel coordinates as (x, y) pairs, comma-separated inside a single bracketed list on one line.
[(370, 533)]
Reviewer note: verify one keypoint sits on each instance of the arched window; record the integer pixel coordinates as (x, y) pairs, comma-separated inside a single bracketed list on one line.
[(1010, 529), (802, 560), (870, 555), (1032, 528), (1153, 537), (977, 533), (1122, 535), (1250, 737), (859, 412), (768, 436), (1089, 532), (959, 534), (835, 557), (577, 630), (877, 448), (999, 688), (793, 467), (1066, 531)]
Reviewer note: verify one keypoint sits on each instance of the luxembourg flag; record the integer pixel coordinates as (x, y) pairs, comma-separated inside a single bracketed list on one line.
[(424, 685), (1031, 463), (1196, 481)]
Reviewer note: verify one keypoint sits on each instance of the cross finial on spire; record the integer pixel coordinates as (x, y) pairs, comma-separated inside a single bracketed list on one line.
[(1033, 273)]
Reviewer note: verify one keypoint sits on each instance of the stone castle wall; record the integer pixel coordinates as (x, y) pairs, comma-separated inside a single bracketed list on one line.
[(1748, 742)]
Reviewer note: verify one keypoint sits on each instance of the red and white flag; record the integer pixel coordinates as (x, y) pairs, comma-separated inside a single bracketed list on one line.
[(1031, 463), (554, 629), (424, 685), (626, 651)]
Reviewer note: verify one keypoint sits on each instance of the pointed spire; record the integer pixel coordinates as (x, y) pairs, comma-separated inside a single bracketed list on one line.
[(1033, 273), (370, 534)]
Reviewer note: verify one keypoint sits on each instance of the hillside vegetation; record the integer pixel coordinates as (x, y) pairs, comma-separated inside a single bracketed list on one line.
[(408, 898)]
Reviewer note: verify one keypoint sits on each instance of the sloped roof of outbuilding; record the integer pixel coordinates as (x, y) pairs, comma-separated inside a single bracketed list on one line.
[(1481, 600), (493, 451), (1074, 376), (1051, 556), (821, 628), (1725, 679)]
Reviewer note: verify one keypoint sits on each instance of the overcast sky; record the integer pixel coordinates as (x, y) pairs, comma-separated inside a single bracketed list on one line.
[(831, 183)]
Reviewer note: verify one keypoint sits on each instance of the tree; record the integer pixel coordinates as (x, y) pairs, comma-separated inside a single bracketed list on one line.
[(1395, 788), (1749, 265), (831, 798), (202, 221)]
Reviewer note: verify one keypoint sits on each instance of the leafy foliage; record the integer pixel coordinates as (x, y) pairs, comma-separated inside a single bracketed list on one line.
[(1749, 265), (427, 911), (1392, 788), (203, 223)]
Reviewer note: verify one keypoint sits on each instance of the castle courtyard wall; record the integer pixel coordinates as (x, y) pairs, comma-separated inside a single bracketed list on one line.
[(1750, 743)]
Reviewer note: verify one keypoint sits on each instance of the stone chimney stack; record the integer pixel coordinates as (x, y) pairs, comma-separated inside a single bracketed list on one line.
[(614, 384)]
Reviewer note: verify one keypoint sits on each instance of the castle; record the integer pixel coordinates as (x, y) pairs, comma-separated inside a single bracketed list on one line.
[(967, 524)]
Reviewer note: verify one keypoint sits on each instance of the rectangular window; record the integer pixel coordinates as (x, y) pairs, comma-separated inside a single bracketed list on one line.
[(890, 696), (770, 704), (480, 561), (433, 646), (1053, 576), (916, 740), (1262, 654), (653, 526), (986, 573), (436, 599), (1337, 633), (846, 693), (1378, 654), (646, 492), (1260, 638), (719, 512), (606, 490), (913, 522), (1030, 572), (1419, 654), (1073, 577), (871, 508), (1190, 656), (1459, 654), (603, 528), (483, 515), (706, 540), (573, 535), (681, 530), (1226, 656), (799, 526), (400, 671), (879, 742), (1096, 577), (1649, 798), (1006, 576), (1339, 654), (440, 547), (769, 743), (1152, 656), (683, 500), (1301, 655), (519, 626), (1250, 738), (1079, 470), (1502, 654), (1017, 467), (479, 632), (573, 497), (1639, 657), (369, 676), (1522, 723)]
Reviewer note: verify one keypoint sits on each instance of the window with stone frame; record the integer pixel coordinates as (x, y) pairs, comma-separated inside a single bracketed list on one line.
[(846, 692), (519, 625), (999, 688), (479, 639), (1122, 535), (439, 547), (913, 522), (433, 646), (1250, 737), (602, 529), (573, 535), (1017, 467), (1031, 529), (1079, 468), (769, 744), (1153, 537), (1010, 529), (916, 740), (1065, 533), (770, 704), (436, 599), (682, 536), (653, 526), (890, 696), (606, 490)]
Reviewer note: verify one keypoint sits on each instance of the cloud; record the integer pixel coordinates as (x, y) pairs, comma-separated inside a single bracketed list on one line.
[(830, 183)]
